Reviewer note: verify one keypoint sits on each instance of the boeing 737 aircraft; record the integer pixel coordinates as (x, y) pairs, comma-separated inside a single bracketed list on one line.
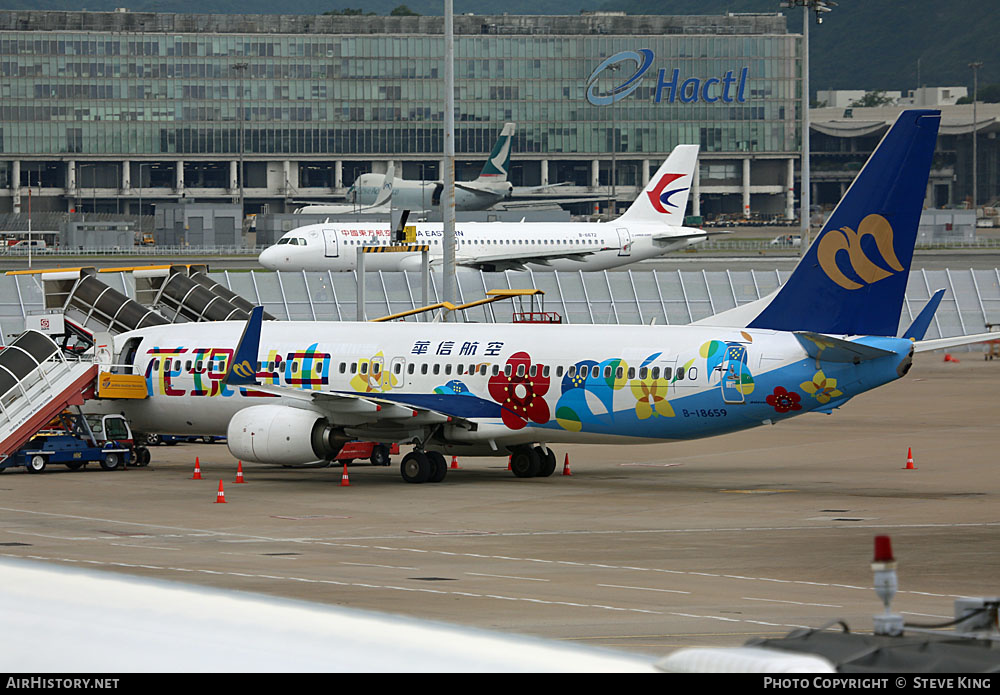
[(652, 226), (293, 392)]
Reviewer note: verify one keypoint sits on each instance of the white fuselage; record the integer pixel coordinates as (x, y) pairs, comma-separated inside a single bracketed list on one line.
[(517, 383), (607, 245)]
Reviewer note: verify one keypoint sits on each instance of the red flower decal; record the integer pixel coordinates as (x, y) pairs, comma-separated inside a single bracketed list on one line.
[(783, 401), (521, 396)]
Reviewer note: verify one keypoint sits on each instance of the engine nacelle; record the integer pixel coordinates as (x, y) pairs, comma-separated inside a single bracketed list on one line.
[(279, 434)]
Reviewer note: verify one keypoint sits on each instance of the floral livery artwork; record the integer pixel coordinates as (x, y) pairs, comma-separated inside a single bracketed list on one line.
[(520, 390)]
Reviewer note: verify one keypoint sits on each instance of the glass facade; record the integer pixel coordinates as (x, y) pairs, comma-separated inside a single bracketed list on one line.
[(129, 92)]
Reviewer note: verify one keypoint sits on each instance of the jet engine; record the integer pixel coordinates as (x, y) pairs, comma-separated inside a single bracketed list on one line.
[(280, 434)]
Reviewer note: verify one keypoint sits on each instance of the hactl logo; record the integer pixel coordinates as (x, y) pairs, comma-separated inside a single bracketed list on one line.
[(689, 91)]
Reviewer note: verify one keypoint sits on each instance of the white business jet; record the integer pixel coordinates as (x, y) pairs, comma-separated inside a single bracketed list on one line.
[(652, 226)]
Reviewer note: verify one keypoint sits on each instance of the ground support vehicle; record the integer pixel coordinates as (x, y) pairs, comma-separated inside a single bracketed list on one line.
[(106, 440)]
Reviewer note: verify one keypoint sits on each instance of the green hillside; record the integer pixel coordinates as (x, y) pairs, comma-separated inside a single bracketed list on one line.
[(862, 44)]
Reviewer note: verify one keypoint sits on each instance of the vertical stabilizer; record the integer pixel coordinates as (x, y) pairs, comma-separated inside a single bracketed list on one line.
[(665, 197), (385, 192), (852, 279), (498, 164)]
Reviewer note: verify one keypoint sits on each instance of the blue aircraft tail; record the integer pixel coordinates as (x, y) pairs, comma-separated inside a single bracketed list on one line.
[(243, 367), (852, 279)]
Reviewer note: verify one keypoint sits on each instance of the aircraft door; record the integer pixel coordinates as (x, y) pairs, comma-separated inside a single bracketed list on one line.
[(624, 242), (397, 369), (734, 374), (330, 242)]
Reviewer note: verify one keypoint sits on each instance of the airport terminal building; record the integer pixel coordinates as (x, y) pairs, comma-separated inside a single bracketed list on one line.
[(117, 111)]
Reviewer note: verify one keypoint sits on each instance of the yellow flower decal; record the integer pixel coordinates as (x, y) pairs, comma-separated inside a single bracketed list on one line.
[(651, 398), (373, 376), (822, 387)]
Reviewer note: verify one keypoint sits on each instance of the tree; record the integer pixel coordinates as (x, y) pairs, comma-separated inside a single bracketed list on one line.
[(349, 12), (874, 98), (988, 94), (403, 11)]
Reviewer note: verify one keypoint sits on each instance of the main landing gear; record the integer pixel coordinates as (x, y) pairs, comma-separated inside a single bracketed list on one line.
[(423, 467), (532, 462)]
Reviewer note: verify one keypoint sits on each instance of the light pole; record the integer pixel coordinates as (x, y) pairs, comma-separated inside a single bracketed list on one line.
[(975, 89), (449, 282), (819, 7), (240, 68), (613, 202)]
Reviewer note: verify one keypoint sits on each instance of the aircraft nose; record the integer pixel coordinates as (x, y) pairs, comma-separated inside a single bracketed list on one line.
[(269, 257)]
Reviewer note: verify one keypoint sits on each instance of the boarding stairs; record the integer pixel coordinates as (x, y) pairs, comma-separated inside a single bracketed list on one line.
[(37, 382)]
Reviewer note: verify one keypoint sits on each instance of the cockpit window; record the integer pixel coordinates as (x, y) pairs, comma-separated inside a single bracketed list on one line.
[(283, 240)]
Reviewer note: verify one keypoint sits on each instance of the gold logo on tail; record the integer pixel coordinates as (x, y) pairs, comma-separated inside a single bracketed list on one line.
[(846, 239), (243, 369)]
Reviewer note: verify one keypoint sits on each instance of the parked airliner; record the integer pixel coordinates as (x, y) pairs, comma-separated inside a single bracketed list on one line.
[(293, 392), (652, 226), (482, 193)]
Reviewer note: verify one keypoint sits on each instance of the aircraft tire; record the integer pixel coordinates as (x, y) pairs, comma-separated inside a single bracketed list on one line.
[(439, 466), (416, 467), (548, 462), (525, 462)]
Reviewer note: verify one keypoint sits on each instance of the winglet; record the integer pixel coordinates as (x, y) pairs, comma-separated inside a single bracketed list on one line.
[(243, 367), (919, 327)]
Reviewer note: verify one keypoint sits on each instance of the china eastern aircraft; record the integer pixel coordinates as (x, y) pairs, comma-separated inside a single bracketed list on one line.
[(652, 226), (287, 392)]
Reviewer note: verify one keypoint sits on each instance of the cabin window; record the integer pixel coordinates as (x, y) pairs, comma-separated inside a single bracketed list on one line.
[(619, 373), (595, 372), (354, 367), (679, 374), (508, 370), (643, 372), (199, 365), (343, 367), (533, 371), (496, 370), (559, 371), (397, 368), (410, 368), (607, 372), (631, 372), (447, 369), (423, 369), (187, 365), (656, 373), (460, 370), (437, 368), (520, 370), (693, 373), (156, 365), (545, 370), (364, 368), (571, 372), (666, 372)]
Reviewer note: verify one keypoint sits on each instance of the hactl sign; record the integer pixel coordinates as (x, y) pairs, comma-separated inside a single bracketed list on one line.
[(689, 91)]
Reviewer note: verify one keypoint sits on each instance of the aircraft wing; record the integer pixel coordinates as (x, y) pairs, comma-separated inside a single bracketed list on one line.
[(955, 341), (375, 412), (826, 347), (543, 202), (685, 233), (517, 261)]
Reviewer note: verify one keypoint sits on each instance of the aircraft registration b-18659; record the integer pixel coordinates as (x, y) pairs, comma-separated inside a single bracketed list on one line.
[(293, 392), (652, 226)]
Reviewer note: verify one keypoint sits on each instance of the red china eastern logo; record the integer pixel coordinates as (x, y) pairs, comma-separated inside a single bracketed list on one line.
[(660, 198)]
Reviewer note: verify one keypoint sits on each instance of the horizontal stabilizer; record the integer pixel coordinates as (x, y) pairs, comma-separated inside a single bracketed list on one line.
[(830, 349), (955, 341), (918, 329)]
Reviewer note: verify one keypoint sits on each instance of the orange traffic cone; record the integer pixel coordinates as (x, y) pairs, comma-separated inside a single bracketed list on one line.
[(509, 459), (220, 498), (344, 480), (239, 473), (197, 470), (949, 358), (566, 470), (454, 463), (909, 460)]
